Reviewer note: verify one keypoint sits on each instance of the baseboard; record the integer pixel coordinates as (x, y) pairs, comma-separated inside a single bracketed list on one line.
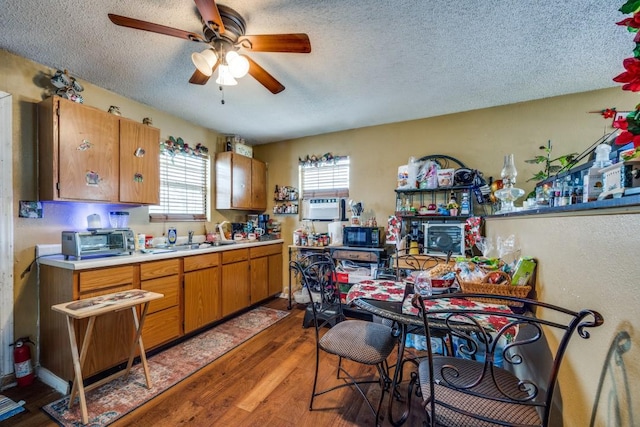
[(53, 381)]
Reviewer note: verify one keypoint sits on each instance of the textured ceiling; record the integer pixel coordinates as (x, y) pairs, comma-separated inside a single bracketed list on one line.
[(372, 62)]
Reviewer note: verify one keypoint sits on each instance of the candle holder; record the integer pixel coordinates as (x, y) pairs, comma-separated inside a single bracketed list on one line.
[(508, 194)]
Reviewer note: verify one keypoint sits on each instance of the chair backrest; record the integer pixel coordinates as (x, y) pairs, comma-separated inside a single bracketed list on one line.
[(317, 273), (518, 342), (404, 261)]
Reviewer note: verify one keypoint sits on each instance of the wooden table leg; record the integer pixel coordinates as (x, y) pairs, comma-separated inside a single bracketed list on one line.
[(78, 360), (83, 355), (138, 340)]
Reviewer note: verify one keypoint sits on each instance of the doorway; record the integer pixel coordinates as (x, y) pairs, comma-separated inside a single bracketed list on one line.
[(6, 231)]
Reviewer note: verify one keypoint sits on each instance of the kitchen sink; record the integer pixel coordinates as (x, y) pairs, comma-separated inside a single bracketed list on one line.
[(186, 247)]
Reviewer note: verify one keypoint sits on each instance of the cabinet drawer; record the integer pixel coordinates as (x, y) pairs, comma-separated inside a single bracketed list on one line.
[(198, 262), (168, 286), (261, 251), (151, 270), (235, 256), (105, 278), (161, 327), (356, 255)]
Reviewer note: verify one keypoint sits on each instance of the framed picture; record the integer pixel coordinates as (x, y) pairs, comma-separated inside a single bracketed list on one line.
[(30, 209)]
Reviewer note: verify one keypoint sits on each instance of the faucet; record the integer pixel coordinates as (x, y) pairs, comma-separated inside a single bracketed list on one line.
[(190, 241)]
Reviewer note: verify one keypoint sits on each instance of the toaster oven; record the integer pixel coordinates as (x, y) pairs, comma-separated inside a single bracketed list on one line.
[(442, 238), (105, 242)]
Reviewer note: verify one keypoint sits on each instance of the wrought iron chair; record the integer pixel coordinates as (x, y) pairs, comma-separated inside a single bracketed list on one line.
[(356, 340), (469, 390), (404, 261)]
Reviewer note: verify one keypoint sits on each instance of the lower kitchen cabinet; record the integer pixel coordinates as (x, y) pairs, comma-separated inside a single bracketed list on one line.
[(112, 335), (266, 271), (201, 291), (235, 281), (162, 323), (198, 291)]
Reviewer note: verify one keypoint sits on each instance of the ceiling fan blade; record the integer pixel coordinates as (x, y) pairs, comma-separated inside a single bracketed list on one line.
[(292, 43), (154, 28), (210, 14), (262, 76), (198, 78)]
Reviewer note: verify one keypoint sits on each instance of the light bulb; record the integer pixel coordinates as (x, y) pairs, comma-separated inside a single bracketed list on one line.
[(224, 77), (238, 65)]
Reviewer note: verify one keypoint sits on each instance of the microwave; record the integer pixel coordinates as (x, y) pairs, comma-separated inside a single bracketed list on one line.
[(442, 238), (363, 237), (102, 242), (324, 209)]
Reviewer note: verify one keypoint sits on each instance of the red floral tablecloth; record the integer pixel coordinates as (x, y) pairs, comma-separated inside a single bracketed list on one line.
[(386, 290)]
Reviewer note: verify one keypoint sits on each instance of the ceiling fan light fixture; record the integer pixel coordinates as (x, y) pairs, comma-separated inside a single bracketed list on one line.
[(204, 61), (238, 64), (224, 77)]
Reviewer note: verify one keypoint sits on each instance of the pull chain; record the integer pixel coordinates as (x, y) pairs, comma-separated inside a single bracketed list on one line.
[(222, 92)]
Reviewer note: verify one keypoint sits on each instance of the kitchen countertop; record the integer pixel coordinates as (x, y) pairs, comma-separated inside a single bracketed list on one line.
[(57, 260)]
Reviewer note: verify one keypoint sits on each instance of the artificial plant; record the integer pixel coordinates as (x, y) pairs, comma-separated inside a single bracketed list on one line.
[(551, 166)]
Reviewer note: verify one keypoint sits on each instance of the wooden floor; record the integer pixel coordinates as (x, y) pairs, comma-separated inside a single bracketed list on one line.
[(264, 382)]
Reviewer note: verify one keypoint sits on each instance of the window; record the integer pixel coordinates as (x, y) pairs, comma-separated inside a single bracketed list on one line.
[(183, 187), (325, 179)]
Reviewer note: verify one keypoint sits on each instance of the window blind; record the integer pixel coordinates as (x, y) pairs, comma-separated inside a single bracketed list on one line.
[(330, 179), (183, 188)]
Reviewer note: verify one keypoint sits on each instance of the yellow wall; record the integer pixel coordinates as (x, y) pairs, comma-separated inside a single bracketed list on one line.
[(590, 262)]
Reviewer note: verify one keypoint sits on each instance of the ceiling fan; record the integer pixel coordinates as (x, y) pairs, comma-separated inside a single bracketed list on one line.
[(224, 31)]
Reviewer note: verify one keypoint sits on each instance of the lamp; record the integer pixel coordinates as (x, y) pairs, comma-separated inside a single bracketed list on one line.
[(204, 61), (231, 65), (238, 65), (225, 78), (508, 194)]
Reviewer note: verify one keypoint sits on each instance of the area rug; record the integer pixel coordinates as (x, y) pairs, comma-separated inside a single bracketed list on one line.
[(122, 395)]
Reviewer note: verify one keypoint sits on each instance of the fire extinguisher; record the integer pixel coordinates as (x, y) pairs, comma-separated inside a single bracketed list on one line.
[(22, 361)]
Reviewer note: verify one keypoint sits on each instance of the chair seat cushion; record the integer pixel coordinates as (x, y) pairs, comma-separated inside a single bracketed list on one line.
[(358, 340), (470, 371)]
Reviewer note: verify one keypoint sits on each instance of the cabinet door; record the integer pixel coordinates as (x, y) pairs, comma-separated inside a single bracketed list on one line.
[(258, 185), (259, 279), (201, 298), (241, 182), (235, 287), (139, 163), (275, 274), (88, 153)]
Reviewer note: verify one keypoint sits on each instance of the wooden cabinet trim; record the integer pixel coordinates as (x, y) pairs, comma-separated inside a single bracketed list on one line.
[(197, 262), (235, 255), (260, 251), (105, 278), (153, 269)]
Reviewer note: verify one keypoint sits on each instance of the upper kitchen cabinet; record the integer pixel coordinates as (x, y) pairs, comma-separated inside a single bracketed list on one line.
[(139, 163), (240, 182), (86, 154)]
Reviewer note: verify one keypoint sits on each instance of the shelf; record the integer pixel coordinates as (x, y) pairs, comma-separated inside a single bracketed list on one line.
[(432, 217), (433, 190), (285, 200)]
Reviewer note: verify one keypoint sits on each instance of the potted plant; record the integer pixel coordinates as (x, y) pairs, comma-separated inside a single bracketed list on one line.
[(453, 206)]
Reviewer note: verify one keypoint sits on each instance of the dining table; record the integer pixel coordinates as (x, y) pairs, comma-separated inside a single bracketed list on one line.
[(391, 300)]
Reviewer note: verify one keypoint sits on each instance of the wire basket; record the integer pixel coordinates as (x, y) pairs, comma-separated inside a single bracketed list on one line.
[(500, 289)]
